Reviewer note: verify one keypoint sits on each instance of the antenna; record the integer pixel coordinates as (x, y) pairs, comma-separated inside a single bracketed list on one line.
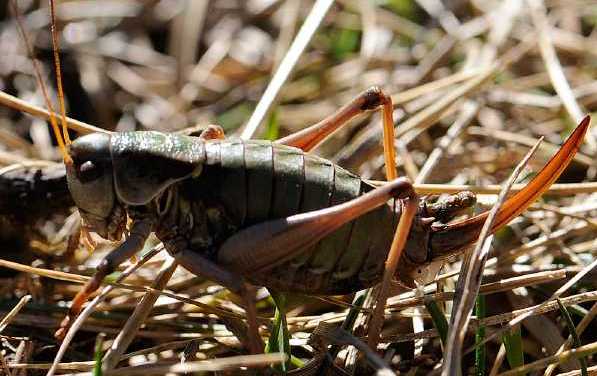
[(40, 81), (56, 48)]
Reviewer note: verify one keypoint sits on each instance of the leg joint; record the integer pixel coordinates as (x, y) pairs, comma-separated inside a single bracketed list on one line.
[(402, 188), (373, 98)]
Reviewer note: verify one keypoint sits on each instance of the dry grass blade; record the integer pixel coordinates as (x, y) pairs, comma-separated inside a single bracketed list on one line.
[(552, 64), (591, 371), (506, 284), (527, 141), (565, 189), (91, 307), (213, 365), (222, 364), (303, 37), (411, 94), (579, 352), (473, 83), (19, 104), (138, 317), (468, 111), (186, 34), (71, 366), (69, 277), (432, 114), (564, 213), (368, 19), (469, 279), (498, 319), (580, 328), (499, 359), (551, 301), (339, 336), (13, 312)]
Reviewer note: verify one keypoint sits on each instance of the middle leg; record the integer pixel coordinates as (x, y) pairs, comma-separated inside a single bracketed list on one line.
[(199, 265)]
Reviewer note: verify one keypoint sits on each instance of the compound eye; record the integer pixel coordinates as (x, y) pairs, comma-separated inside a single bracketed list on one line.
[(89, 171)]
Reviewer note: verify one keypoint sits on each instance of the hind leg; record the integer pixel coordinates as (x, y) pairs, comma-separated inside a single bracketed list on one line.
[(369, 100), (307, 139)]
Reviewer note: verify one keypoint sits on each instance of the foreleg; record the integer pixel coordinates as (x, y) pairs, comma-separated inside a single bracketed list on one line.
[(140, 230)]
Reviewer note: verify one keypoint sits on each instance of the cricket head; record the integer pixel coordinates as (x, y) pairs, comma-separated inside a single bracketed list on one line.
[(444, 240), (90, 180)]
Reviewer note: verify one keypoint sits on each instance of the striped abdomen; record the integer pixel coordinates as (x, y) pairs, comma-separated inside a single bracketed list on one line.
[(256, 181)]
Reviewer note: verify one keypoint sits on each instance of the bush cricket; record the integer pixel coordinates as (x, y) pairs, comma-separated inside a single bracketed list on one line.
[(268, 213)]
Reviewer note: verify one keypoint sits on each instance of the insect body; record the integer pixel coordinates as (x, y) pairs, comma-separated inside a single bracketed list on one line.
[(198, 193), (258, 209), (274, 215)]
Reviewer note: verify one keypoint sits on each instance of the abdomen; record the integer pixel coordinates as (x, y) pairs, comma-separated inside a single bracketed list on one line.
[(256, 181)]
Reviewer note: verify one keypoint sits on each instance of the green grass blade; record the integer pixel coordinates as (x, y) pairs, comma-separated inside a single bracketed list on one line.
[(480, 352), (438, 318), (575, 338), (351, 318), (404, 8), (513, 344), (272, 129), (353, 312), (345, 42), (296, 362), (98, 355), (279, 340)]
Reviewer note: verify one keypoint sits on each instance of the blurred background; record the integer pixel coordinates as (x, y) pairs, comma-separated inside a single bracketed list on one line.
[(474, 84)]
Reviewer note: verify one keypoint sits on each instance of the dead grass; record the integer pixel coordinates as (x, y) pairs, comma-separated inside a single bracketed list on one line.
[(474, 85)]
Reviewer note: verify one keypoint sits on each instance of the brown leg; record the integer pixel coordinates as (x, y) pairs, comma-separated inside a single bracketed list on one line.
[(307, 139), (197, 264), (140, 230), (409, 210), (371, 99), (256, 344)]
